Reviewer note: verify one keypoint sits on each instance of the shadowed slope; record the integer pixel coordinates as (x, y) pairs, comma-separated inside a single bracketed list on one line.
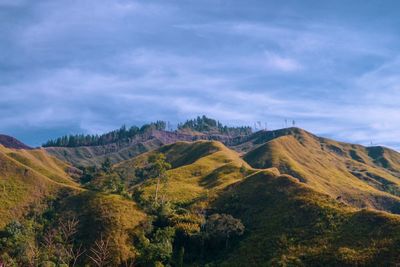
[(117, 152), (11, 142), (289, 224)]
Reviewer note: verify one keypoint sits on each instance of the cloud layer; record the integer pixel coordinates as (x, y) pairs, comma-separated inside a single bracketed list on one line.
[(93, 65)]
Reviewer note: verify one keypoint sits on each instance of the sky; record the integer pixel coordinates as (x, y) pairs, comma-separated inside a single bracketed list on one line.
[(90, 66)]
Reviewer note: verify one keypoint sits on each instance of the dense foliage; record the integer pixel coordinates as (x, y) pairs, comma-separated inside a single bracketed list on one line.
[(204, 124), (119, 135)]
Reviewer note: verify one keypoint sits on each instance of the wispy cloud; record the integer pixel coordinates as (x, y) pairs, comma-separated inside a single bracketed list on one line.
[(65, 69)]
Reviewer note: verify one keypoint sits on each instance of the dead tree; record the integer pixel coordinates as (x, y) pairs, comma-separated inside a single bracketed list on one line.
[(100, 252)]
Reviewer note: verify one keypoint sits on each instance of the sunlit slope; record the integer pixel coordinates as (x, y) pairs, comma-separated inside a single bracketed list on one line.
[(26, 178), (107, 217), (198, 169), (362, 177), (40, 161), (290, 224)]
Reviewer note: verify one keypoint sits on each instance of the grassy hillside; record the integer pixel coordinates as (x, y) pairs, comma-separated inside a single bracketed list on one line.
[(198, 169), (359, 176), (298, 198), (110, 217), (289, 224), (129, 148), (37, 191), (26, 178)]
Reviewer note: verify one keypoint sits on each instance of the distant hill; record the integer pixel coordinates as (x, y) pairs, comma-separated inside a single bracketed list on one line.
[(125, 143), (11, 142)]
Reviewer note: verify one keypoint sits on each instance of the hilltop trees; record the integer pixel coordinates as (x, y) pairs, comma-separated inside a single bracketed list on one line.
[(123, 134), (205, 124), (119, 135)]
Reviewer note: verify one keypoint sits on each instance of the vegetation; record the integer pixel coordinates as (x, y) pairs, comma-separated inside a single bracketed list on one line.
[(223, 226), (206, 125), (120, 135), (352, 173), (202, 204)]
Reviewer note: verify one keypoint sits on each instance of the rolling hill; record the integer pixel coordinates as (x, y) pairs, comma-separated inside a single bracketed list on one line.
[(33, 183), (303, 200), (27, 177), (198, 169), (120, 151), (288, 222), (364, 177)]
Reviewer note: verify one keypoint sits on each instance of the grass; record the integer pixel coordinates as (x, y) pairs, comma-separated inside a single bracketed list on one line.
[(30, 178), (290, 224), (290, 221), (96, 155), (345, 171), (285, 191), (23, 185), (109, 217), (200, 168)]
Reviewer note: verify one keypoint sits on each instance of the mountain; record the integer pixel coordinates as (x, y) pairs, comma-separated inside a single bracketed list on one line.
[(38, 189), (270, 198), (288, 222), (11, 142), (198, 168), (122, 144), (128, 148), (26, 178), (364, 177)]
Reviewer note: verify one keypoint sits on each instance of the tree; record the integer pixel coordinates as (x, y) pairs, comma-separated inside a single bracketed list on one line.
[(159, 248), (106, 166), (223, 226), (158, 170), (58, 243), (17, 242), (100, 252)]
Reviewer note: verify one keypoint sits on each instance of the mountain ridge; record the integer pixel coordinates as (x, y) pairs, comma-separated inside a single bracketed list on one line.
[(299, 200)]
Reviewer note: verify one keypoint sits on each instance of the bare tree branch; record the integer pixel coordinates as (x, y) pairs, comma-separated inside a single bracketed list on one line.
[(100, 252)]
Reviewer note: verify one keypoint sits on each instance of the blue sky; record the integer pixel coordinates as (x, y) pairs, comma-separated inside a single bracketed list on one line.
[(72, 66)]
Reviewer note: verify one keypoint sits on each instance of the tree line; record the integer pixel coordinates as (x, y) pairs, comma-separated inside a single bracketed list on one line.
[(122, 134), (205, 124), (200, 124)]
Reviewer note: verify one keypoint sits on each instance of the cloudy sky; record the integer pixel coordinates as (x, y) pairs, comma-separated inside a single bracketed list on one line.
[(89, 66)]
